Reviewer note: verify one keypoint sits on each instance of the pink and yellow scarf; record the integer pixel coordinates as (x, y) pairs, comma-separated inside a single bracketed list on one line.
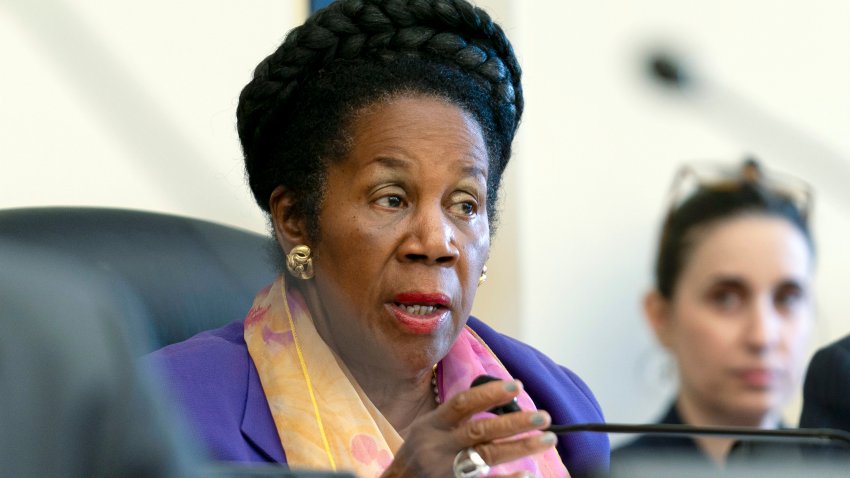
[(323, 418)]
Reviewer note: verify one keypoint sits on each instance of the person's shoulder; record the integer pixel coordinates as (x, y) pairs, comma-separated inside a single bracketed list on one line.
[(213, 382), (227, 340), (212, 359), (837, 350), (829, 368), (530, 365), (559, 391), (508, 347), (827, 383)]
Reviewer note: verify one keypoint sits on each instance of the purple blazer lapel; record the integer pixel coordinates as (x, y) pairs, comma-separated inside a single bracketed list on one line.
[(257, 423)]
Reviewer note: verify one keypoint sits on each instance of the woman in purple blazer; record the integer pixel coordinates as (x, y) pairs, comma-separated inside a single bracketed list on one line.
[(375, 138)]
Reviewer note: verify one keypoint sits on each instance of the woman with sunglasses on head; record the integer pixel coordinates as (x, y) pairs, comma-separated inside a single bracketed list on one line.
[(732, 304), (375, 139)]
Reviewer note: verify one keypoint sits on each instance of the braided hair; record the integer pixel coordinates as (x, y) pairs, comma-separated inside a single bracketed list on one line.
[(295, 114)]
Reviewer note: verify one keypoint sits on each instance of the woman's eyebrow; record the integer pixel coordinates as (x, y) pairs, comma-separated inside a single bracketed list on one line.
[(728, 281), (392, 163), (396, 163), (791, 282), (474, 170)]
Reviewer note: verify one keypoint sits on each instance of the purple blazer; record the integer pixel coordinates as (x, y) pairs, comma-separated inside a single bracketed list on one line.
[(216, 387)]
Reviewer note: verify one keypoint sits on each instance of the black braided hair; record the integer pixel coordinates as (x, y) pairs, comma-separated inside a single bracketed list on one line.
[(293, 116)]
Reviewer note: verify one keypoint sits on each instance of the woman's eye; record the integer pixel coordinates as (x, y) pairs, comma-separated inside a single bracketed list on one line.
[(787, 298), (391, 201), (465, 208), (463, 203), (726, 300)]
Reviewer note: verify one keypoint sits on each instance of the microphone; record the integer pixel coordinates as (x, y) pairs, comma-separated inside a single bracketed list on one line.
[(818, 436), (509, 407), (773, 461)]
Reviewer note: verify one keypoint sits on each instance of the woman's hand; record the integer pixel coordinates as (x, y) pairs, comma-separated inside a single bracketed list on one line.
[(437, 437)]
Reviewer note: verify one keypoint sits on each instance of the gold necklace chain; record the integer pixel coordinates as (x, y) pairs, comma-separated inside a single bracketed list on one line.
[(434, 384)]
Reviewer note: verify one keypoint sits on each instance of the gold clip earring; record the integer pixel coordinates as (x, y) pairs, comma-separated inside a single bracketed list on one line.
[(483, 277), (299, 262)]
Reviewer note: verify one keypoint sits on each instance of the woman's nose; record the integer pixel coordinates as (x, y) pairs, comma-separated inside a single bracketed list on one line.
[(763, 325), (431, 238)]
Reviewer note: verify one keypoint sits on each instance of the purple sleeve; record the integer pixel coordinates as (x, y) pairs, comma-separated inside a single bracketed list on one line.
[(560, 392), (214, 385)]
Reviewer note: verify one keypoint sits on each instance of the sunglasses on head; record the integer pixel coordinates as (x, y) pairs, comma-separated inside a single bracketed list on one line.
[(719, 177)]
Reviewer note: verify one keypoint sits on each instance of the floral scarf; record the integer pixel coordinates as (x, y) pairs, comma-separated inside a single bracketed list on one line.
[(323, 417)]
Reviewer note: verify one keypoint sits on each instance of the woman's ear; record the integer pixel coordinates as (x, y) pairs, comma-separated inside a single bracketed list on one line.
[(289, 230), (656, 309)]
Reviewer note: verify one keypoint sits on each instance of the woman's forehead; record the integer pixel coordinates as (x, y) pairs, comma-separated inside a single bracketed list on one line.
[(397, 132), (752, 247), (411, 110)]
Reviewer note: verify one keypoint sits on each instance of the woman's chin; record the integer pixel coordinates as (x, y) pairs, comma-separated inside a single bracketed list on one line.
[(754, 410)]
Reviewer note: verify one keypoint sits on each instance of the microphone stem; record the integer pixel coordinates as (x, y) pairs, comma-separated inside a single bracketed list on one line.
[(815, 435)]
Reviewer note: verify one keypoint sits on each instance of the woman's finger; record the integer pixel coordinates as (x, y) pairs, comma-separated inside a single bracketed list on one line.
[(488, 429), (477, 399), (494, 453)]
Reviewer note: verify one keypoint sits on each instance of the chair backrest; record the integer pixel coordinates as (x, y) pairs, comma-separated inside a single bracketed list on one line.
[(72, 400), (189, 275)]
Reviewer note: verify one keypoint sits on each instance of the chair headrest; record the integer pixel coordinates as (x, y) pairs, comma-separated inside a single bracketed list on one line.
[(189, 275)]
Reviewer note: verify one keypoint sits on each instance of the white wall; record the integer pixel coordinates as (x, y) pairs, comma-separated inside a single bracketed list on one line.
[(132, 105), (599, 147)]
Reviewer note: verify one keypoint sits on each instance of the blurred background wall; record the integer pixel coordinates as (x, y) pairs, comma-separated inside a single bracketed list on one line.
[(131, 104)]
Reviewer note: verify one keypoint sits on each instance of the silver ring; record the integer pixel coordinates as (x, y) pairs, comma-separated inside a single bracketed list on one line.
[(469, 464)]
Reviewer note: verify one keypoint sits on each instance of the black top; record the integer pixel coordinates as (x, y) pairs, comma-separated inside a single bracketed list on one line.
[(655, 455), (827, 387), (662, 447)]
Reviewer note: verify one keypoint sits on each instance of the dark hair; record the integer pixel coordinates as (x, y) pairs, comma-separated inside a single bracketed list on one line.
[(294, 116), (686, 224)]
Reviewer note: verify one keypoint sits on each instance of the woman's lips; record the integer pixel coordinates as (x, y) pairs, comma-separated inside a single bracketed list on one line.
[(420, 312), (423, 298), (760, 378)]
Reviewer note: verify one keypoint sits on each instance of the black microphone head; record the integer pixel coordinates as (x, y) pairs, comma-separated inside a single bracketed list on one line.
[(482, 379), (668, 70), (509, 407)]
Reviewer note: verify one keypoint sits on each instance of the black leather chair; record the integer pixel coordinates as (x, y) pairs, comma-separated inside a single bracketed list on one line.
[(73, 402), (188, 275)]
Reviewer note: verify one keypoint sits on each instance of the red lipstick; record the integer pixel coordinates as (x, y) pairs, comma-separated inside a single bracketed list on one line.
[(420, 312), (424, 298)]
